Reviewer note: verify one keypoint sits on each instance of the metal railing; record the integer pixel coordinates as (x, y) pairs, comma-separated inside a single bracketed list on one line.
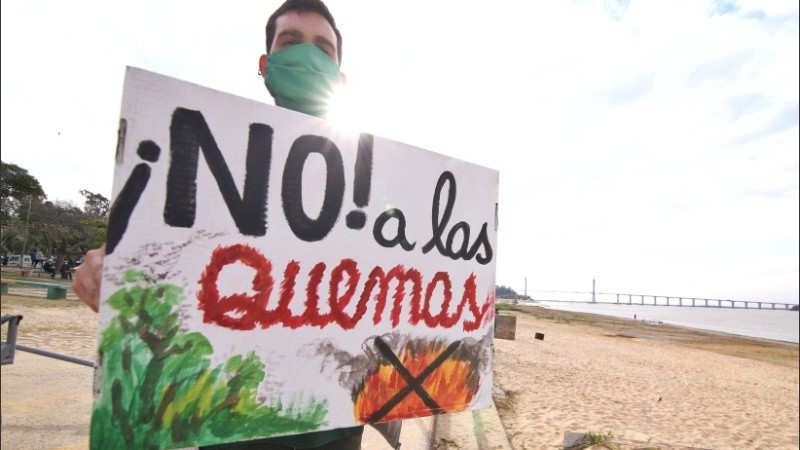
[(9, 346)]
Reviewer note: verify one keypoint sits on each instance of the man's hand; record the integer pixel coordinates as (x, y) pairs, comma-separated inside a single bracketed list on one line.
[(86, 281)]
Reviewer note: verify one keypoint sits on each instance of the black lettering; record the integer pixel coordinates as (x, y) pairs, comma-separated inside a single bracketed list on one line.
[(482, 241), (189, 133), (462, 252), (377, 230), (128, 197), (362, 181), (303, 226), (363, 170), (438, 226)]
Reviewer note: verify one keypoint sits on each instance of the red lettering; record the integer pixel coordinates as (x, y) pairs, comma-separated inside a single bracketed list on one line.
[(244, 312), (403, 276), (287, 293), (338, 304), (430, 320), (312, 316), (237, 311), (477, 313)]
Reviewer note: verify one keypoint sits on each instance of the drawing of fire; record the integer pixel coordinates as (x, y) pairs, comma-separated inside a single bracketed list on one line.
[(398, 377)]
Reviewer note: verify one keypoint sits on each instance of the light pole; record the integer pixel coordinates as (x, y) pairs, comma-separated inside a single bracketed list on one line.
[(25, 239)]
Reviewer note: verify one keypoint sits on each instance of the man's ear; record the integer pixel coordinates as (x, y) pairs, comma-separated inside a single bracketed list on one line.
[(262, 65)]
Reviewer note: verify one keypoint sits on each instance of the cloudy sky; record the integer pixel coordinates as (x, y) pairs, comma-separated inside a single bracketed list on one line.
[(650, 145)]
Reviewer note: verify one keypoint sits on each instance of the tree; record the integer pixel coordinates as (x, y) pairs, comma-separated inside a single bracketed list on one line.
[(17, 188), (16, 185), (30, 221), (17, 182), (96, 233), (95, 205), (95, 222), (60, 225)]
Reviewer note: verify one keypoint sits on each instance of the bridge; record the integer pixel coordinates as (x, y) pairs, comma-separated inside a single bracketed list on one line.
[(613, 298)]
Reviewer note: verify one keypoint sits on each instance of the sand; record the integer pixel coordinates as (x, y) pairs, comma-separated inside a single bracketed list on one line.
[(46, 403), (669, 386), (673, 387)]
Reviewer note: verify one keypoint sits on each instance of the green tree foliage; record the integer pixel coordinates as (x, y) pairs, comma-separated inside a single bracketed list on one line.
[(30, 221), (16, 185), (95, 234), (17, 182), (95, 222), (59, 226), (95, 205), (159, 388)]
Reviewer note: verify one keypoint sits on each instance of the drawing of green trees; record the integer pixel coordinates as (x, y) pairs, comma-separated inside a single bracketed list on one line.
[(158, 387)]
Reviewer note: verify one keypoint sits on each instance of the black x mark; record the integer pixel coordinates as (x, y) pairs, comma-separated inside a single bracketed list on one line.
[(412, 384)]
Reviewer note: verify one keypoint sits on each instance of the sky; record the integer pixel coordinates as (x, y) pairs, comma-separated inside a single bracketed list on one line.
[(651, 146)]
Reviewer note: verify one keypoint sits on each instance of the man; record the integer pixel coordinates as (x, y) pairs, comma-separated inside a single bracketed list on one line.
[(304, 51), (49, 266), (300, 70)]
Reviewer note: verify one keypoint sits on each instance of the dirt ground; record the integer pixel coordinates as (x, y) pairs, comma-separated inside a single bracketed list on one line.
[(46, 402)]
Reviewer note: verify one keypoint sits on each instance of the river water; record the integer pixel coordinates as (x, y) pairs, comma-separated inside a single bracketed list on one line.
[(777, 325)]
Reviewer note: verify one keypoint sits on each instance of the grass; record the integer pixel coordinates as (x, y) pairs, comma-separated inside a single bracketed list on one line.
[(446, 444), (608, 441), (505, 409), (15, 275), (593, 440), (8, 300), (546, 314)]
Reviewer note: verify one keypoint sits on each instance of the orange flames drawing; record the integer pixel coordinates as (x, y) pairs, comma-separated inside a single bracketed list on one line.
[(405, 378), (450, 385), (399, 377)]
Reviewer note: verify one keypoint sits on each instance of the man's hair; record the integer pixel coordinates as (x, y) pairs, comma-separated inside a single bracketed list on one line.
[(315, 6)]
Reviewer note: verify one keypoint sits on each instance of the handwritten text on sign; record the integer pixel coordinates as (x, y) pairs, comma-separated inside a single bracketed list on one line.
[(406, 277)]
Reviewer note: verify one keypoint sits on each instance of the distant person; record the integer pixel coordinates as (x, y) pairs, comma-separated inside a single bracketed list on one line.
[(66, 269), (39, 258), (33, 258), (49, 266)]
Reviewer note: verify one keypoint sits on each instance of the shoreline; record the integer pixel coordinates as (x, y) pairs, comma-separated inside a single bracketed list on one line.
[(671, 320), (649, 385), (718, 341)]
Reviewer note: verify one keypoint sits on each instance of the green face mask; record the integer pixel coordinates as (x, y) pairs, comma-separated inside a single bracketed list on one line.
[(302, 77)]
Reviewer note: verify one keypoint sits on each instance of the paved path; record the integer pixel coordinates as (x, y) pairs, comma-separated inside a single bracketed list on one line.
[(469, 430)]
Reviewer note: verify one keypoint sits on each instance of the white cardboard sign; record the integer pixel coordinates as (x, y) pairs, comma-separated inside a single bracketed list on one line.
[(267, 274)]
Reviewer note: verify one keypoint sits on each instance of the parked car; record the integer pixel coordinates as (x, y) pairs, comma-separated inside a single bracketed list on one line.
[(14, 261)]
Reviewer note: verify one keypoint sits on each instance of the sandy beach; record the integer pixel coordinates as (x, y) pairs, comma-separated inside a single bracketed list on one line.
[(664, 386), (650, 386)]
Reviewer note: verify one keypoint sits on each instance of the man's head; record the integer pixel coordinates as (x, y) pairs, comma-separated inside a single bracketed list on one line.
[(311, 18), (304, 50)]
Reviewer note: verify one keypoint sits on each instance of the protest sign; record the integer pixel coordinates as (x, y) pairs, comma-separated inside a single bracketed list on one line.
[(267, 274)]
